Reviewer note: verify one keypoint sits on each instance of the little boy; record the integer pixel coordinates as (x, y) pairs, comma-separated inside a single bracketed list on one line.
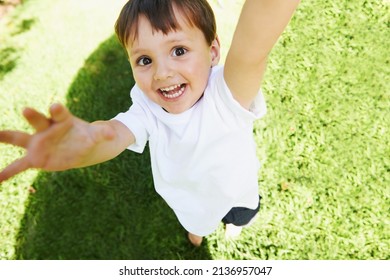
[(197, 116)]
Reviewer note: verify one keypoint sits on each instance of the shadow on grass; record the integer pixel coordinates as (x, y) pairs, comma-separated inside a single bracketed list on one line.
[(24, 26), (8, 59), (9, 54), (111, 210)]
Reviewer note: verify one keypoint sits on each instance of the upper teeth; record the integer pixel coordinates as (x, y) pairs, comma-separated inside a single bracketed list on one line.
[(172, 91), (170, 88)]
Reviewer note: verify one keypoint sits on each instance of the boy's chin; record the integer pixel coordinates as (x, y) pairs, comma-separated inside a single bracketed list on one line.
[(175, 111), (179, 107)]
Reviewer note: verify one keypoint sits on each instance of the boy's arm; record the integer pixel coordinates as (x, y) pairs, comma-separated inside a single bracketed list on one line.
[(115, 138), (63, 142), (260, 24)]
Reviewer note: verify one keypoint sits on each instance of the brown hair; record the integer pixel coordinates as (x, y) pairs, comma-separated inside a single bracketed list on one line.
[(161, 16)]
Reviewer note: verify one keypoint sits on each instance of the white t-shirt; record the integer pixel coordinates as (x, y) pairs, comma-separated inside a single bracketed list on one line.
[(204, 159)]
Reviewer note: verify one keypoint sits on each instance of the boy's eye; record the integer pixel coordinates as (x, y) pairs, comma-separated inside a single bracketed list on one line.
[(179, 51), (144, 61)]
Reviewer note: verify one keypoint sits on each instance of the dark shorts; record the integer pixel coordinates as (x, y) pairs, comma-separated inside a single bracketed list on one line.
[(240, 216)]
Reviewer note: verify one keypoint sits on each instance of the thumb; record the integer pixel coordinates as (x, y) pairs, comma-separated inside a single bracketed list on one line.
[(14, 168)]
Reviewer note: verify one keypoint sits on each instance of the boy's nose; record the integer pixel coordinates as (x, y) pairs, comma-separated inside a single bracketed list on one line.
[(162, 71)]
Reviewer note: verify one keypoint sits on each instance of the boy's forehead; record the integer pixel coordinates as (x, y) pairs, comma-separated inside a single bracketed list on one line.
[(183, 29)]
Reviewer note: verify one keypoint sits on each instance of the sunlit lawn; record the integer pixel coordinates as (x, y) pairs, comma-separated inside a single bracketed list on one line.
[(324, 144)]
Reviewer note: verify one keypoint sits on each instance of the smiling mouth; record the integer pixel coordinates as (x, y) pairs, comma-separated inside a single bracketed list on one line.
[(173, 92)]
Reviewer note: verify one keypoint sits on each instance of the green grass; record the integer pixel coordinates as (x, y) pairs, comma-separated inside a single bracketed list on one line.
[(324, 144)]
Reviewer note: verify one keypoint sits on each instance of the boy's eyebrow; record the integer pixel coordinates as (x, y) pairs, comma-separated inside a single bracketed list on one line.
[(135, 51), (174, 41)]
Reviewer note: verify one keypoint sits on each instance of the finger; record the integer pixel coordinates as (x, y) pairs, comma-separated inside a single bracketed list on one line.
[(37, 120), (59, 113), (16, 138), (14, 168)]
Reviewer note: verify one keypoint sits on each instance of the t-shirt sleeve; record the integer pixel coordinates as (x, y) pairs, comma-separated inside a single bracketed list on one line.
[(136, 120), (256, 111)]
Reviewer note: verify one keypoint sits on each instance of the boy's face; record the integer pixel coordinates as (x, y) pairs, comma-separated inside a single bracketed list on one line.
[(172, 69)]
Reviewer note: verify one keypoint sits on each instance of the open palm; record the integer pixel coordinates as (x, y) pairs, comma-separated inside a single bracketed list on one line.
[(61, 142)]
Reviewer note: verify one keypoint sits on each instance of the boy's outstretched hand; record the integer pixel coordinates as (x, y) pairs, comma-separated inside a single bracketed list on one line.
[(60, 142)]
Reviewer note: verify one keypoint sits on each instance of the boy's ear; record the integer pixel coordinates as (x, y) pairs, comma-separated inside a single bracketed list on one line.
[(215, 51)]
